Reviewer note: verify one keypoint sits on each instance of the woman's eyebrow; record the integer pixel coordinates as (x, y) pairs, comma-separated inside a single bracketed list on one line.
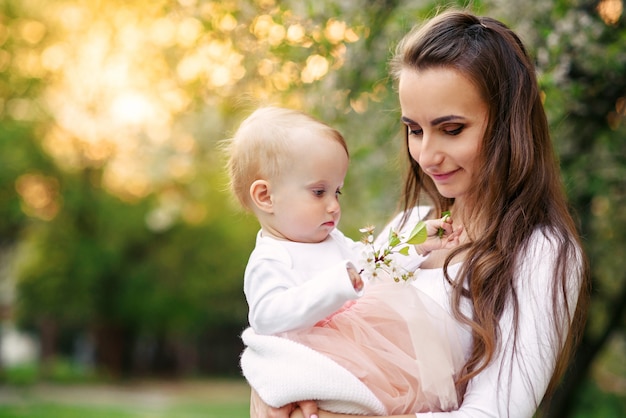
[(433, 122), (443, 119)]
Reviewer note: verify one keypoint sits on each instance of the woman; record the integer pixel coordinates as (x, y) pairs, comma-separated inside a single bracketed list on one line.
[(479, 147)]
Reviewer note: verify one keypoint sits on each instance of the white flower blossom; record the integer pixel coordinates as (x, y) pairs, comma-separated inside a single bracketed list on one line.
[(382, 262)]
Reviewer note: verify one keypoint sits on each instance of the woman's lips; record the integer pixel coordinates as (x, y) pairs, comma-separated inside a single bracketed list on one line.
[(443, 176)]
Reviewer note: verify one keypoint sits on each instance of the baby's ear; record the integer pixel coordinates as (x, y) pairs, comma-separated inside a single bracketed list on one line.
[(260, 194)]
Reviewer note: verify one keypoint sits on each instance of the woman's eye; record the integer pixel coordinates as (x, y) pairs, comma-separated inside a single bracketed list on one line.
[(414, 130), (454, 130)]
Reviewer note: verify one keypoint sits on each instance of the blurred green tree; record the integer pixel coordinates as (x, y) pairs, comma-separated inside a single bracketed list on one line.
[(582, 56)]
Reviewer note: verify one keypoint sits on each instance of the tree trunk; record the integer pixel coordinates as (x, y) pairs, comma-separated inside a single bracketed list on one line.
[(112, 349), (48, 332)]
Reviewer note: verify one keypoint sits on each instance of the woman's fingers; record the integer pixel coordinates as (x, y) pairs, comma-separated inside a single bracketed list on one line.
[(259, 409), (309, 408)]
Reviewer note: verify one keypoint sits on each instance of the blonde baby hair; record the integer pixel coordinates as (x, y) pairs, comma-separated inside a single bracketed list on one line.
[(261, 147)]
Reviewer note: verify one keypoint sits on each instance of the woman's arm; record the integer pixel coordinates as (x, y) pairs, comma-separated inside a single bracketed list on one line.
[(259, 409), (304, 409), (323, 414)]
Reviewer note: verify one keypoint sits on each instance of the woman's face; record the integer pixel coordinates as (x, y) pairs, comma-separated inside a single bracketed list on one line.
[(446, 119)]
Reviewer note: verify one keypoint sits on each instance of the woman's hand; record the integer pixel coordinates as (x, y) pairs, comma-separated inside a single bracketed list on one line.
[(259, 409), (441, 235)]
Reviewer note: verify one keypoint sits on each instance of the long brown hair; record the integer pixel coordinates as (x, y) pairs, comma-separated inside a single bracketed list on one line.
[(516, 192)]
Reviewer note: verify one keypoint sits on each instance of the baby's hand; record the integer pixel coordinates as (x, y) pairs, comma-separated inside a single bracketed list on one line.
[(441, 235), (355, 278)]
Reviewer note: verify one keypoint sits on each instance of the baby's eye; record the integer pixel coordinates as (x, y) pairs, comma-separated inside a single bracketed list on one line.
[(319, 192), (454, 130), (338, 192)]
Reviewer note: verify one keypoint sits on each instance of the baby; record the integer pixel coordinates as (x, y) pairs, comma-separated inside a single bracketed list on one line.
[(302, 280)]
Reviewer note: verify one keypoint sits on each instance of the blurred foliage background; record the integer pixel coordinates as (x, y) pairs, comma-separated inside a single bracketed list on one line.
[(120, 247)]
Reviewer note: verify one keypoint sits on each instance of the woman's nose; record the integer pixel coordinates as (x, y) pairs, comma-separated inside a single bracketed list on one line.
[(429, 152)]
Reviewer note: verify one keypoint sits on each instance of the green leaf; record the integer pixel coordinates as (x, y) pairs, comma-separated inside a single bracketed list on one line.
[(404, 251), (441, 231), (418, 235), (393, 238)]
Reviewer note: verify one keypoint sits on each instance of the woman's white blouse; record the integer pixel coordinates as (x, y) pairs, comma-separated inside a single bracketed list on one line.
[(515, 381)]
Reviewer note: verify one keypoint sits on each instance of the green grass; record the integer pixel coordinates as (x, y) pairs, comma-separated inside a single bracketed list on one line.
[(52, 410), (197, 399)]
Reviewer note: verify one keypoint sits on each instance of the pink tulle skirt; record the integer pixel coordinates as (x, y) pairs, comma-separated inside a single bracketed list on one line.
[(398, 342)]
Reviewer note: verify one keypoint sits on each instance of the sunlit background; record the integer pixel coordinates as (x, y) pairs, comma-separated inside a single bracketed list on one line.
[(125, 84), (121, 251)]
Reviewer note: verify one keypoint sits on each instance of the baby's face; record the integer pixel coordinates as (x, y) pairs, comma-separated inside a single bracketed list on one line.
[(306, 198)]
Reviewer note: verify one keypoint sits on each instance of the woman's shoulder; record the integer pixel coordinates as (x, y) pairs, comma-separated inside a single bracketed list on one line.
[(546, 254), (545, 242)]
